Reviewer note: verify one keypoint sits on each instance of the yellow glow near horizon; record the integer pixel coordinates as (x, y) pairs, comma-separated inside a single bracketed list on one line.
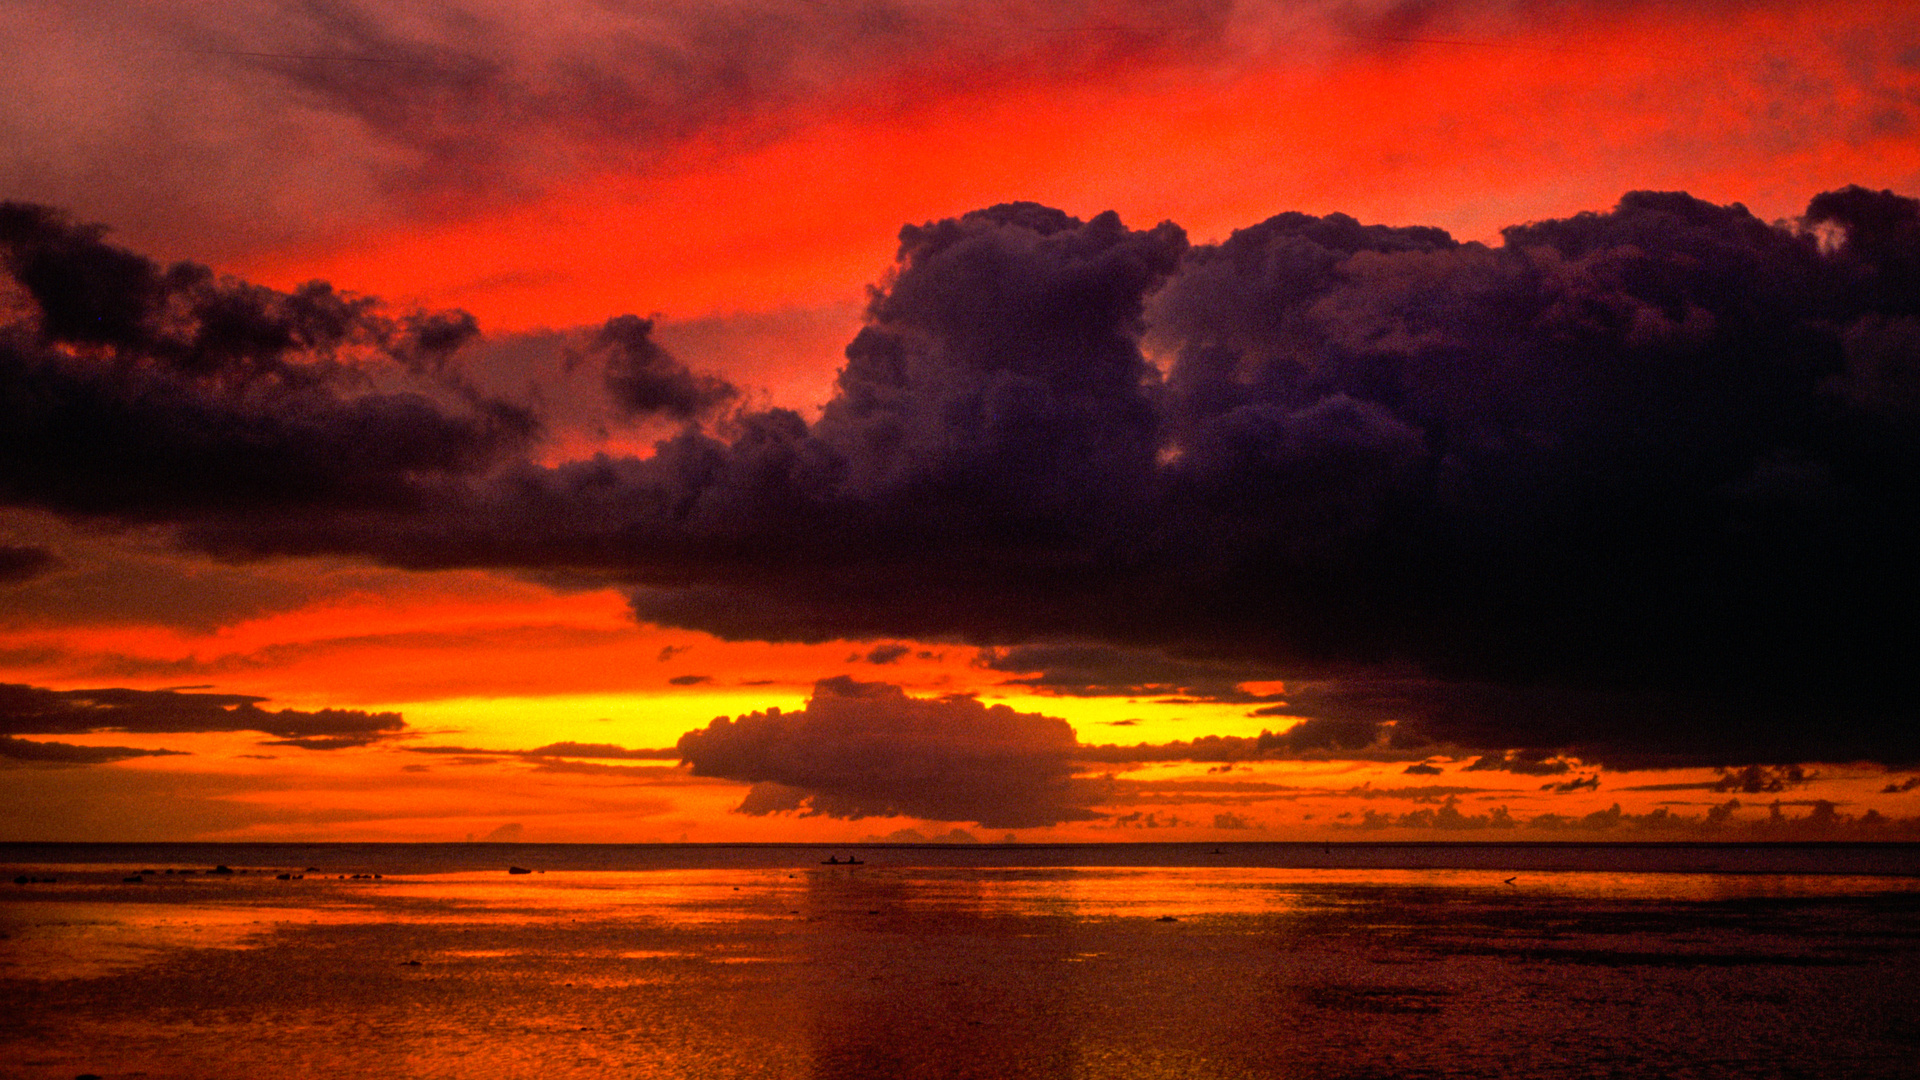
[(658, 719), (634, 721), (1127, 721)]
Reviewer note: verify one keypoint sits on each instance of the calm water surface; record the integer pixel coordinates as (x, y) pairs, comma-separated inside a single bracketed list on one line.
[(762, 962)]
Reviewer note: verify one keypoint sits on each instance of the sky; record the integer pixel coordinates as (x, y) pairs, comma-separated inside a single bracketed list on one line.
[(806, 420)]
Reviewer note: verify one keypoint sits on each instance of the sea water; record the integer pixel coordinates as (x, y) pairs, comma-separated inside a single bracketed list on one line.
[(1091, 961)]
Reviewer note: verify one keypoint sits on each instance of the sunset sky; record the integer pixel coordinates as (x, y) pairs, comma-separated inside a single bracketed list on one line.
[(831, 420)]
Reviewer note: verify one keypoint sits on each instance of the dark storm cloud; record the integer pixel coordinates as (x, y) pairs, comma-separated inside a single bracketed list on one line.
[(1637, 488), (868, 750), (56, 753), (31, 710), (643, 379), (1661, 492), (147, 393), (88, 293)]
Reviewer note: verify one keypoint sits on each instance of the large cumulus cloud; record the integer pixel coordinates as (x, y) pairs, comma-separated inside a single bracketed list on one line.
[(1639, 483), (868, 750)]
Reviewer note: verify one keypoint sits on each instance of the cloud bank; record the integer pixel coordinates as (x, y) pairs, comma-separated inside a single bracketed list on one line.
[(1637, 486)]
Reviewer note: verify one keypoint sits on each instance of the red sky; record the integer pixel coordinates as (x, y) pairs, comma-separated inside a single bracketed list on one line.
[(740, 174)]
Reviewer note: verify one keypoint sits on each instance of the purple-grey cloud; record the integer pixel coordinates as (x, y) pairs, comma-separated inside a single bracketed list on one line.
[(1636, 487), (1521, 762), (1093, 670), (140, 392), (37, 752), (31, 710), (889, 653), (868, 750), (643, 379)]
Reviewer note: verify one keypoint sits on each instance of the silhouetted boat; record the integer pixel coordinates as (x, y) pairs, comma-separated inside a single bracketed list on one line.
[(518, 870), (835, 860)]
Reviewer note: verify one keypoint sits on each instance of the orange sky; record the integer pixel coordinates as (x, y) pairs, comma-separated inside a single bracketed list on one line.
[(748, 218), (1470, 127)]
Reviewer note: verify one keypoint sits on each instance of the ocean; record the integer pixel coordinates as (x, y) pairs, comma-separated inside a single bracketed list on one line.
[(1084, 961)]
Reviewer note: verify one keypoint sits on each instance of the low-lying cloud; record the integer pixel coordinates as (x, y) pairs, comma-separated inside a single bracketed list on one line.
[(32, 710), (39, 752), (1093, 670), (868, 750)]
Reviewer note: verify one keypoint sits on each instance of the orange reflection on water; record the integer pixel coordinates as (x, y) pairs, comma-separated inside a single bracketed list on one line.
[(900, 970)]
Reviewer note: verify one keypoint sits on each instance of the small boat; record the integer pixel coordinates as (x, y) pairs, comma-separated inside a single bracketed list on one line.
[(518, 870), (835, 860)]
